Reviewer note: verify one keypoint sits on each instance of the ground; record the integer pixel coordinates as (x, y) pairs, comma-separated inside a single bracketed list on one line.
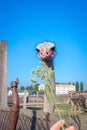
[(82, 117), (54, 117), (65, 112)]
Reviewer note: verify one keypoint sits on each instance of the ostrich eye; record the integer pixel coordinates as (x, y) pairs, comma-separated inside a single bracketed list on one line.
[(37, 50), (53, 49)]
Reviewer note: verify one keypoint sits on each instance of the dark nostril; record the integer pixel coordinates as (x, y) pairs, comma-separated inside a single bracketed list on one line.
[(47, 53), (41, 53)]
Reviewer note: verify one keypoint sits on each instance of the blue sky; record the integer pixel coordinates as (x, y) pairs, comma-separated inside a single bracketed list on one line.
[(25, 23)]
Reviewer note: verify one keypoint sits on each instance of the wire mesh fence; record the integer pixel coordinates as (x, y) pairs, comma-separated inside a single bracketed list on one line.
[(24, 122)]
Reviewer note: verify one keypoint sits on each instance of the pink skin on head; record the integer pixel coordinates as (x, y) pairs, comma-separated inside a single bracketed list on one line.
[(44, 54)]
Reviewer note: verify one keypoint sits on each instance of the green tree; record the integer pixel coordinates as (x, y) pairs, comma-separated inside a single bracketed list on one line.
[(77, 86), (73, 83), (81, 86), (8, 88), (30, 89), (57, 83), (69, 83), (41, 91), (22, 88), (36, 87)]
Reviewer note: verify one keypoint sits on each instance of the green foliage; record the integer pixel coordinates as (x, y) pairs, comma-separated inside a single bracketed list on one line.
[(69, 83), (77, 86), (38, 75), (32, 89), (41, 92), (57, 83), (73, 83), (32, 80), (22, 88), (29, 89), (36, 87), (81, 86), (8, 88), (39, 72)]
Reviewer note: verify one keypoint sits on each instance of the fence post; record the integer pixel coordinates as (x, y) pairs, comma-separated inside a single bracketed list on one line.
[(3, 74), (37, 98), (24, 100)]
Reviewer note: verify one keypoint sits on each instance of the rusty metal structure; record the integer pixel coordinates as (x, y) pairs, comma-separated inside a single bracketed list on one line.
[(14, 111), (46, 52), (8, 120)]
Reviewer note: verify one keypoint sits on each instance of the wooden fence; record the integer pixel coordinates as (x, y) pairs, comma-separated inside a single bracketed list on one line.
[(37, 100), (29, 101)]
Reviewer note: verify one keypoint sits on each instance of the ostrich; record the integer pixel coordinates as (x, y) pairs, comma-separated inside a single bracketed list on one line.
[(77, 102), (46, 52)]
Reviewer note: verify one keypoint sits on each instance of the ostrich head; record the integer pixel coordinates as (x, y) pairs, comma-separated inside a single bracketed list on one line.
[(46, 50)]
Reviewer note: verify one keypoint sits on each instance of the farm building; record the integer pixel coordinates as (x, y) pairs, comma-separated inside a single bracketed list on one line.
[(61, 88), (64, 88)]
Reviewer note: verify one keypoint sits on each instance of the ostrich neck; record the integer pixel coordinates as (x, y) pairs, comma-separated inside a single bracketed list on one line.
[(48, 107), (48, 64)]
